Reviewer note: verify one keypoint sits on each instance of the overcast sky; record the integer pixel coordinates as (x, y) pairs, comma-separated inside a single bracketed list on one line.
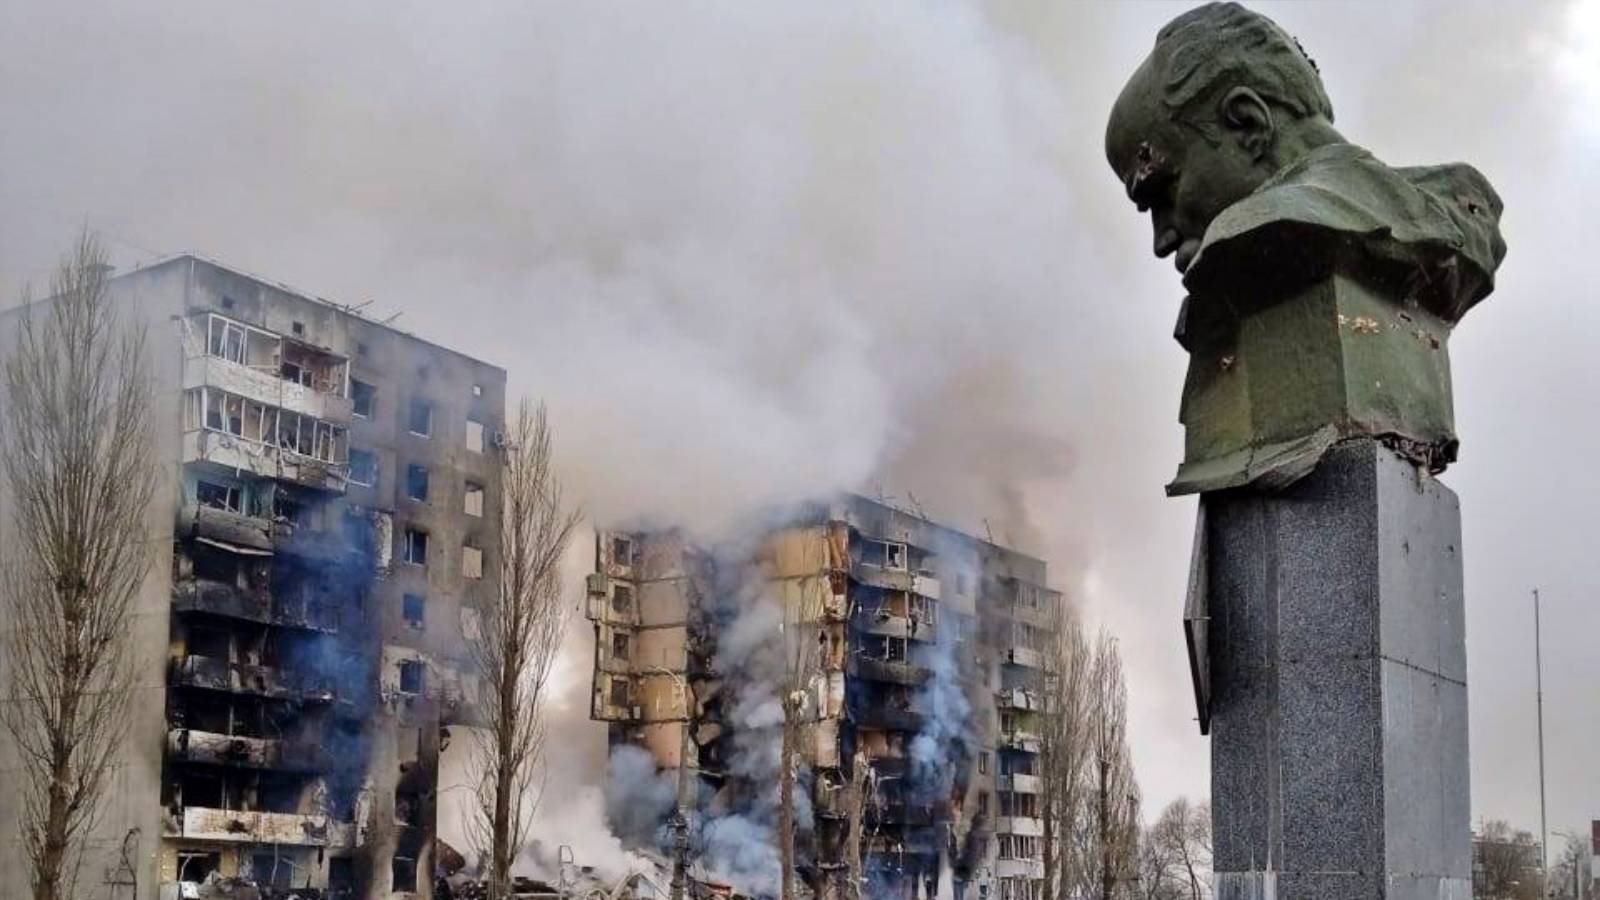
[(752, 252)]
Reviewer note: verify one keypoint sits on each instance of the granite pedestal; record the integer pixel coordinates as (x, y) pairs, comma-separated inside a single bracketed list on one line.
[(1337, 677)]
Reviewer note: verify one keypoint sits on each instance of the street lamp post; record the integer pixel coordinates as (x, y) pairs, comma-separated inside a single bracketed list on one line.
[(680, 817)]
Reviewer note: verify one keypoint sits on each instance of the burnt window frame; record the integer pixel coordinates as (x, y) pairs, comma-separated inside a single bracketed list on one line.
[(419, 404), (417, 603), (418, 478)]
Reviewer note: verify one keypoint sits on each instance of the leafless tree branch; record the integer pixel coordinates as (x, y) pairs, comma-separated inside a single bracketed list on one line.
[(79, 472)]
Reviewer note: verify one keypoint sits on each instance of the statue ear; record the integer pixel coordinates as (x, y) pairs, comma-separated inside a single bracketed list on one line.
[(1250, 120)]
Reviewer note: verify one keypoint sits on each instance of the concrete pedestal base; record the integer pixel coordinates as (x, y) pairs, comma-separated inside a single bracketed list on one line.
[(1338, 677)]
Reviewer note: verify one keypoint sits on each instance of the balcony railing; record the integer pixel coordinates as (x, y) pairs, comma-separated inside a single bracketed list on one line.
[(220, 599), (1024, 825), (894, 672), (888, 625), (1018, 784), (1019, 868), (189, 745), (241, 678), (249, 827)]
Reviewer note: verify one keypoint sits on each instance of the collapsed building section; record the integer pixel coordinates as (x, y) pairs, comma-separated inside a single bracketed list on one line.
[(336, 488), (903, 658)]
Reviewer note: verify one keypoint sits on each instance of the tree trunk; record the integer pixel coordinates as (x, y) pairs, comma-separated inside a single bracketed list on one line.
[(1106, 879), (1049, 837), (500, 864), (786, 800)]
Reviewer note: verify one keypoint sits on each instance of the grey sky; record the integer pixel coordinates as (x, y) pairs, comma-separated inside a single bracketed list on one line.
[(750, 252)]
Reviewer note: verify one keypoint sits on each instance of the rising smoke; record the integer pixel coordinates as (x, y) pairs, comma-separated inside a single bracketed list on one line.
[(753, 253)]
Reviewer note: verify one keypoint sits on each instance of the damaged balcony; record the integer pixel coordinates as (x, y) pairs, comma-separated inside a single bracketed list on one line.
[(221, 599), (190, 745), (246, 436), (266, 367), (891, 671), (248, 827), (216, 674)]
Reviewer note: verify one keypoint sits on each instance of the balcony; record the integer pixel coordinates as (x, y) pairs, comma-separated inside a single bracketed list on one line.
[(188, 745), (231, 451), (219, 599), (237, 530), (330, 545), (886, 717), (1019, 868), (889, 625), (1020, 699), (1023, 825), (241, 678), (265, 385), (1024, 656), (234, 826), (1020, 739), (896, 579), (885, 670), (1018, 784), (902, 812)]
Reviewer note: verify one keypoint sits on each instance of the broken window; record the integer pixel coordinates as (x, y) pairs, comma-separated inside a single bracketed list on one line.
[(895, 556), (622, 550), (404, 875), (474, 499), (208, 641), (272, 870), (341, 876), (895, 649), (416, 547), (619, 646), (295, 433), (363, 467), (417, 482), (330, 443), (194, 865), (363, 398), (411, 676), (225, 339), (474, 436), (471, 561), (219, 496), (411, 607), (201, 789), (621, 598), (620, 694), (420, 418)]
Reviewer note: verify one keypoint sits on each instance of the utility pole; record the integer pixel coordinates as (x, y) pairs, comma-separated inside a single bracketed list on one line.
[(1538, 681)]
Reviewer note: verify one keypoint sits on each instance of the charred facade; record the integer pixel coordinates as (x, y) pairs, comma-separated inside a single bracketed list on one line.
[(917, 704), (335, 489)]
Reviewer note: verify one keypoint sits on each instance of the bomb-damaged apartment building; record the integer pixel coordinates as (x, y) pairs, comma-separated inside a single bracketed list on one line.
[(917, 708), (333, 488)]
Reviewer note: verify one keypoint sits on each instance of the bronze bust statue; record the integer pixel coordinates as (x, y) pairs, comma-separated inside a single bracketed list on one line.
[(1322, 283)]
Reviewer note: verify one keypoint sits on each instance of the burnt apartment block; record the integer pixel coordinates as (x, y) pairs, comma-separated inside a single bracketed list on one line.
[(332, 486), (922, 691)]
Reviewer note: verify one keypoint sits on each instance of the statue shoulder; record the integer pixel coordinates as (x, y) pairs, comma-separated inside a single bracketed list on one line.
[(1436, 228)]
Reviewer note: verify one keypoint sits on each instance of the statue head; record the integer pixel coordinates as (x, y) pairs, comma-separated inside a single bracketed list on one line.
[(1224, 100)]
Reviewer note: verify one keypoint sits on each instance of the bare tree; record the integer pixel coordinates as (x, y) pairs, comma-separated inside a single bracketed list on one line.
[(1063, 747), (517, 641), (1116, 794), (80, 474), (1184, 832), (1507, 863)]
